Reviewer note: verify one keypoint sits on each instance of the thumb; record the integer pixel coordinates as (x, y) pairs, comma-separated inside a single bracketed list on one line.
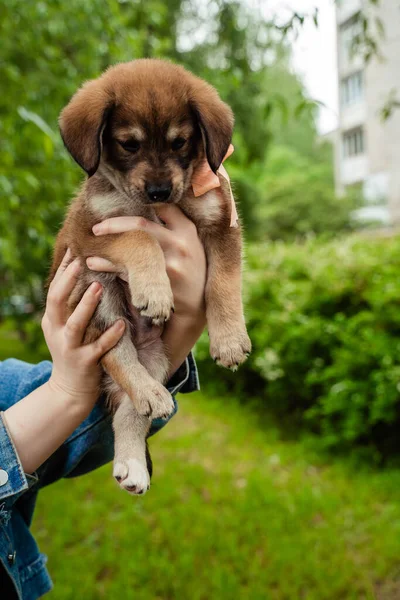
[(173, 217)]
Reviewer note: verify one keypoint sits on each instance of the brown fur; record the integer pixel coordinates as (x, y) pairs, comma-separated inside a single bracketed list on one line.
[(149, 106)]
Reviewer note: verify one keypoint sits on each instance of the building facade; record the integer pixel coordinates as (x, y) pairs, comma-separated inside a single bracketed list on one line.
[(367, 149)]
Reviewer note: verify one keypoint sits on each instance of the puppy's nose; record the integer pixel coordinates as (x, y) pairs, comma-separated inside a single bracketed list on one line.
[(159, 192)]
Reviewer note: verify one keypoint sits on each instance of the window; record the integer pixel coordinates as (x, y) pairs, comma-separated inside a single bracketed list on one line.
[(353, 142), (352, 89), (349, 32)]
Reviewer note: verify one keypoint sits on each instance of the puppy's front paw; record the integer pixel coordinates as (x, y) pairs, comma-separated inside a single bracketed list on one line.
[(230, 351), (154, 401), (132, 475), (153, 299)]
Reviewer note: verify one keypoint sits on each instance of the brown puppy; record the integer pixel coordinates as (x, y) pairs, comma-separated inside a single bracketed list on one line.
[(140, 131)]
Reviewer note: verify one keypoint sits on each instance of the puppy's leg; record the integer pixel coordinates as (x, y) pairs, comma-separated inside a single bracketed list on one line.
[(132, 463), (149, 396), (141, 256), (229, 342), (122, 363)]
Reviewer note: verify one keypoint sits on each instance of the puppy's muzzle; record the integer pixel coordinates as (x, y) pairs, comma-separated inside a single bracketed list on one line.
[(158, 192)]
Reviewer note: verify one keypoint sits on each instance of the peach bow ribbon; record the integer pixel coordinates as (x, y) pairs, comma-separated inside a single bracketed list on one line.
[(205, 180)]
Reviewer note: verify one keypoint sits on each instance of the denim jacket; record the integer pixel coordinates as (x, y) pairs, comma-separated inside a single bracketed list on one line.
[(23, 574)]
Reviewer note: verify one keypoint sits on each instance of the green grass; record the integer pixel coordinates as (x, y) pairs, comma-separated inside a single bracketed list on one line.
[(236, 511), (233, 512)]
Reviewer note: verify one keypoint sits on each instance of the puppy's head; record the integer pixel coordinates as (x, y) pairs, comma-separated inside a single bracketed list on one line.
[(146, 125)]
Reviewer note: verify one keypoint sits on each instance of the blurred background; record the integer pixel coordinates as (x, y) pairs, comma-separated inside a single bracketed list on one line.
[(280, 481)]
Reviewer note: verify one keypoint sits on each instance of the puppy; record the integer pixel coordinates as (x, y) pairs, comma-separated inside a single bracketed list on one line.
[(141, 131)]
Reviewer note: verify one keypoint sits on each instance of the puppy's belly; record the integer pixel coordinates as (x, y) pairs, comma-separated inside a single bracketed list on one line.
[(144, 333), (117, 303)]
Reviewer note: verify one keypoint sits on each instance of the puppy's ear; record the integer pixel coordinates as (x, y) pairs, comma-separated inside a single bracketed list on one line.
[(215, 119), (82, 123)]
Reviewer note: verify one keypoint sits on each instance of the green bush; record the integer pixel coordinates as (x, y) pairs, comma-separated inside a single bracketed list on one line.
[(296, 196), (324, 319), (60, 44)]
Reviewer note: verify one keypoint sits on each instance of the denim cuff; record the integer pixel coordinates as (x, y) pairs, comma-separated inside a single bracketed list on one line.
[(185, 379), (18, 481), (93, 436)]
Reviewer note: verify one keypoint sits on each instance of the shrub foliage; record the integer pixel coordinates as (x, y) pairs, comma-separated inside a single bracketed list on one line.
[(324, 319)]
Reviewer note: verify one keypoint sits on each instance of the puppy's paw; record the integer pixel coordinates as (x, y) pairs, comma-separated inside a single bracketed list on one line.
[(153, 300), (154, 401), (132, 475), (230, 351)]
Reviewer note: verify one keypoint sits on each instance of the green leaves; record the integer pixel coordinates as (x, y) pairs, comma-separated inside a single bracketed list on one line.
[(62, 44), (32, 117), (281, 175), (324, 319)]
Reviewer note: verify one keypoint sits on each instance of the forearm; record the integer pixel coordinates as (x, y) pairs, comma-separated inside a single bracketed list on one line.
[(41, 422), (179, 337)]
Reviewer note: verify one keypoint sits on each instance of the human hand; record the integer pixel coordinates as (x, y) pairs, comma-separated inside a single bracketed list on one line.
[(184, 255), (76, 373), (186, 268)]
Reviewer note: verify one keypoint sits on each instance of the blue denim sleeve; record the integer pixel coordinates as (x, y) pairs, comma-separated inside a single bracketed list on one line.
[(91, 444), (13, 480), (17, 379)]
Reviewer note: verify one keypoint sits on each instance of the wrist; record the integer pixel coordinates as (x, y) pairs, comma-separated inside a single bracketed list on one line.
[(190, 321), (180, 335), (185, 330), (80, 403)]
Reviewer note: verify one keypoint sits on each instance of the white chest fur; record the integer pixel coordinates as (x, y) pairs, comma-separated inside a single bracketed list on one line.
[(206, 209), (112, 204)]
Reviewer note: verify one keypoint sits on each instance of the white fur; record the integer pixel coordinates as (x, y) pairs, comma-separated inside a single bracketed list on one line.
[(138, 133), (134, 131), (133, 474), (210, 206), (130, 431), (173, 132), (105, 204)]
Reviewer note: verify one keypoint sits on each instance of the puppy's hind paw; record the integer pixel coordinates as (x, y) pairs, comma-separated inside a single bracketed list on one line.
[(132, 475), (154, 401), (231, 352)]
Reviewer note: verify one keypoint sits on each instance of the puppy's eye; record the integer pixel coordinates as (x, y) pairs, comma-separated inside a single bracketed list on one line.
[(178, 143), (130, 146)]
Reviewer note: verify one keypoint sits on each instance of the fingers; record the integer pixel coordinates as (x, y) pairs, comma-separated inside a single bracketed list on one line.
[(95, 263), (64, 264), (174, 218), (79, 320), (107, 340), (60, 291), (124, 224), (121, 225), (170, 214)]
